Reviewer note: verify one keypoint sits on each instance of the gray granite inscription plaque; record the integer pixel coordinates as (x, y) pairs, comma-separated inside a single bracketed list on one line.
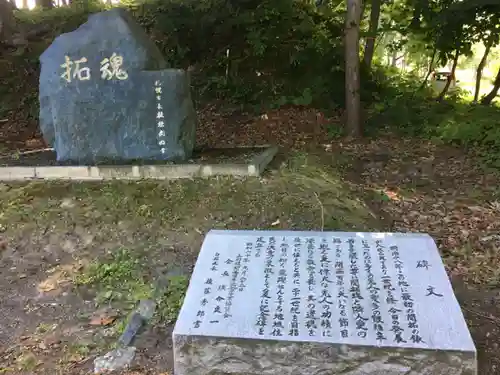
[(281, 302)]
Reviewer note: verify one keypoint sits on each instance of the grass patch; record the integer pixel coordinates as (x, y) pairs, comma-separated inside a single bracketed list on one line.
[(185, 205), (27, 362), (170, 303), (79, 350), (122, 277), (44, 328), (120, 236), (316, 181)]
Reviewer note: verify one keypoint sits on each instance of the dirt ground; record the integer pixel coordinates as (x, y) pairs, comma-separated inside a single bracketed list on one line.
[(446, 193), (75, 258)]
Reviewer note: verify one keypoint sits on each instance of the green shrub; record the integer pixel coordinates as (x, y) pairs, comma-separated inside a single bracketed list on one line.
[(401, 105), (473, 126), (251, 52), (60, 19), (274, 53), (398, 102)]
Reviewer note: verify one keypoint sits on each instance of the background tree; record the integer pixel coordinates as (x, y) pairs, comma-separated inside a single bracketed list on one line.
[(372, 32), (7, 22), (452, 27), (494, 91), (451, 78), (479, 72), (352, 76)]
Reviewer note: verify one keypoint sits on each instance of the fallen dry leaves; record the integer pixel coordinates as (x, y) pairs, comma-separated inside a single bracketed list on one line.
[(289, 127), (440, 191), (55, 279), (427, 188), (3, 244), (18, 130), (47, 285), (102, 320)]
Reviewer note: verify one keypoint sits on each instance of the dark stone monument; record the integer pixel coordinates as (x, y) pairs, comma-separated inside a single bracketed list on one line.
[(106, 95)]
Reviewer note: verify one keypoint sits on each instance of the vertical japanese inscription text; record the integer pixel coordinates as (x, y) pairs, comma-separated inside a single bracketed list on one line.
[(244, 269), (279, 317), (207, 291), (341, 294), (262, 319), (160, 118), (356, 297), (374, 292), (408, 303), (232, 285), (294, 329), (326, 297), (311, 316)]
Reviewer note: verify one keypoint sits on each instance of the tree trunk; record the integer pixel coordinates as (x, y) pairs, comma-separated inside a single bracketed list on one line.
[(25, 4), (353, 102), (394, 59), (7, 21), (378, 40), (452, 76), (430, 69), (494, 91), (480, 67), (370, 40)]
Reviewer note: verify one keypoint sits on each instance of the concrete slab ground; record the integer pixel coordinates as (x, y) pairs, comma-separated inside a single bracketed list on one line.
[(42, 164)]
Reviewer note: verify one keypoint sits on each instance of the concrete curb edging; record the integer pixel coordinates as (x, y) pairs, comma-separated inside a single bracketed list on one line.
[(260, 162), (137, 172)]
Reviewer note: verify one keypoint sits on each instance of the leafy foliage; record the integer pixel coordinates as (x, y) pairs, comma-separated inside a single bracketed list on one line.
[(122, 278), (119, 278), (254, 52), (404, 107), (473, 127), (268, 53), (170, 303), (278, 53)]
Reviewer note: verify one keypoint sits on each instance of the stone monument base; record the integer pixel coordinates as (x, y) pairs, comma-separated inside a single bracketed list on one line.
[(243, 162), (321, 303), (224, 356)]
